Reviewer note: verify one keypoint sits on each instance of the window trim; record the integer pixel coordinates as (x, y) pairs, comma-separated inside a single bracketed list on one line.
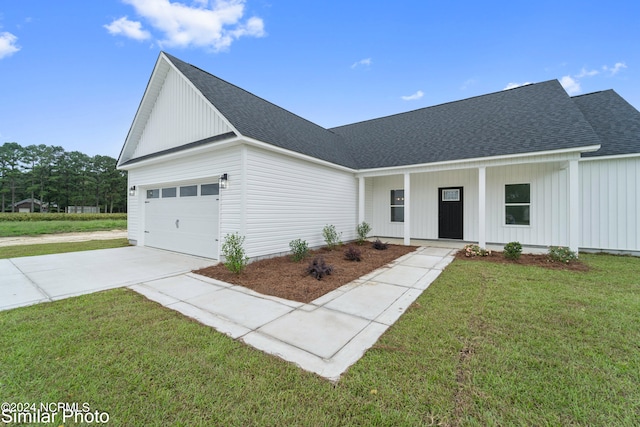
[(393, 206), (516, 204)]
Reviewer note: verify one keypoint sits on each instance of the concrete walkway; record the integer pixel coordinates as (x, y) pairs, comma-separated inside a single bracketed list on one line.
[(325, 336)]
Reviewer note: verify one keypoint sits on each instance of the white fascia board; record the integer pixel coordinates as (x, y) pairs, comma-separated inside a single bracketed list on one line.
[(211, 147), (612, 157), (470, 163), (284, 151)]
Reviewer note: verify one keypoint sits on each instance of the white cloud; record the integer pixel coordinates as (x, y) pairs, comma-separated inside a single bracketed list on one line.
[(586, 73), (467, 84), (213, 27), (419, 94), (8, 44), (131, 29), (515, 85), (615, 69), (571, 85), (365, 62)]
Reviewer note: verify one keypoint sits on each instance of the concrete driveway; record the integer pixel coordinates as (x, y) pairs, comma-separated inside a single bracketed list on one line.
[(30, 280)]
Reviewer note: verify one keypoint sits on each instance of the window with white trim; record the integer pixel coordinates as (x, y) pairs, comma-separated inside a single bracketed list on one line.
[(517, 204), (397, 205)]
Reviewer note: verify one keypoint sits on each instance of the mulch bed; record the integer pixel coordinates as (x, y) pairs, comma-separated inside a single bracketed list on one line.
[(281, 277), (526, 259)]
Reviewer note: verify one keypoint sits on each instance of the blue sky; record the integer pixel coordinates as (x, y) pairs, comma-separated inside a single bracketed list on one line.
[(72, 73)]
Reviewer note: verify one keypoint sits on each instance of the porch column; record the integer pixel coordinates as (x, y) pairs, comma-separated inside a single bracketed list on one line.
[(407, 209), (482, 207), (360, 199), (574, 206)]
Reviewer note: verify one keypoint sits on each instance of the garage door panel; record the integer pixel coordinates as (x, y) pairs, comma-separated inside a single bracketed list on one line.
[(183, 224)]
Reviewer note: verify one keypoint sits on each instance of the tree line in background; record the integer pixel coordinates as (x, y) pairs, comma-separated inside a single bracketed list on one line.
[(58, 179)]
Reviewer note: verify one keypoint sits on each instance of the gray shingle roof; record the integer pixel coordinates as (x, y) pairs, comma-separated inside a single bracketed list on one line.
[(616, 122), (259, 119), (533, 118), (537, 117)]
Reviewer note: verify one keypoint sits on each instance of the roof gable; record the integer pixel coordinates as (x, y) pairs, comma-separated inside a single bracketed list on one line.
[(616, 122), (171, 115)]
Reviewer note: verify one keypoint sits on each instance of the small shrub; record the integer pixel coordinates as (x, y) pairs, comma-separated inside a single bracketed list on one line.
[(362, 230), (299, 249), (512, 250), (472, 250), (353, 254), (331, 237), (561, 254), (318, 268), (235, 258), (379, 245)]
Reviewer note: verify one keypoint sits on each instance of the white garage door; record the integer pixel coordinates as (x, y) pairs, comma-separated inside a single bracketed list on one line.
[(183, 219)]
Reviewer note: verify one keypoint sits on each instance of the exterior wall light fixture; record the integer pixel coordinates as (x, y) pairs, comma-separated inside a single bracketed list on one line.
[(224, 181), (132, 190)]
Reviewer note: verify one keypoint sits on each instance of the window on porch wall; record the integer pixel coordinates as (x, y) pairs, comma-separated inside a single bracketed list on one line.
[(397, 205), (517, 201)]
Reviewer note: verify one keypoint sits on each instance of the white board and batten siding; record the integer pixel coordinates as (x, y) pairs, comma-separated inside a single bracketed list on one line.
[(289, 198), (180, 115), (610, 204), (549, 203)]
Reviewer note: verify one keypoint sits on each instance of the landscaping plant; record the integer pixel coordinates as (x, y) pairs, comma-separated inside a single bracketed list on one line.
[(318, 268), (379, 245), (235, 258), (331, 237), (472, 250), (561, 254), (512, 250), (299, 249), (352, 253), (362, 230)]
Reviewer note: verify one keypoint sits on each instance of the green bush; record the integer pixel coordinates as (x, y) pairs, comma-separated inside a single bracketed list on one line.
[(32, 217), (561, 254), (235, 258), (512, 250), (299, 249), (362, 230), (331, 237)]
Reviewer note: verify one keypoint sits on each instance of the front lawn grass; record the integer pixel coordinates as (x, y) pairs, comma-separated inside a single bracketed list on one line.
[(485, 344), (34, 228), (58, 248)]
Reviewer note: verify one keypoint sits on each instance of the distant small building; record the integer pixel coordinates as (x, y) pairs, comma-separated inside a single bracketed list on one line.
[(82, 209), (25, 206)]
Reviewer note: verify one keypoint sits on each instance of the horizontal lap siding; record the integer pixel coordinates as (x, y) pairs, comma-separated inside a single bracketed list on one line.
[(180, 116), (193, 168), (290, 199), (610, 204)]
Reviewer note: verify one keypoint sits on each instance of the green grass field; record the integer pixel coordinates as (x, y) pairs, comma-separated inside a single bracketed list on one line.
[(34, 228), (58, 248), (486, 344)]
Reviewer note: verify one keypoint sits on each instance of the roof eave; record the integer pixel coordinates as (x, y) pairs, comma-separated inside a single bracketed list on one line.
[(464, 163)]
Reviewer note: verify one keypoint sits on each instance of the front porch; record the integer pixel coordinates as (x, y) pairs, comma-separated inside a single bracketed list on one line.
[(407, 203)]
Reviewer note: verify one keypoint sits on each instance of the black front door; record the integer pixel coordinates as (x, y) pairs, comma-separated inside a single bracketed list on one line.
[(450, 213)]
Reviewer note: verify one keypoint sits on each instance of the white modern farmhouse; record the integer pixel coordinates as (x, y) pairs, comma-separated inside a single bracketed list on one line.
[(206, 158)]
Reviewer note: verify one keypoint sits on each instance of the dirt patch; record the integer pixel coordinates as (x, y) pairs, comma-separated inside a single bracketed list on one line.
[(541, 260), (281, 277)]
